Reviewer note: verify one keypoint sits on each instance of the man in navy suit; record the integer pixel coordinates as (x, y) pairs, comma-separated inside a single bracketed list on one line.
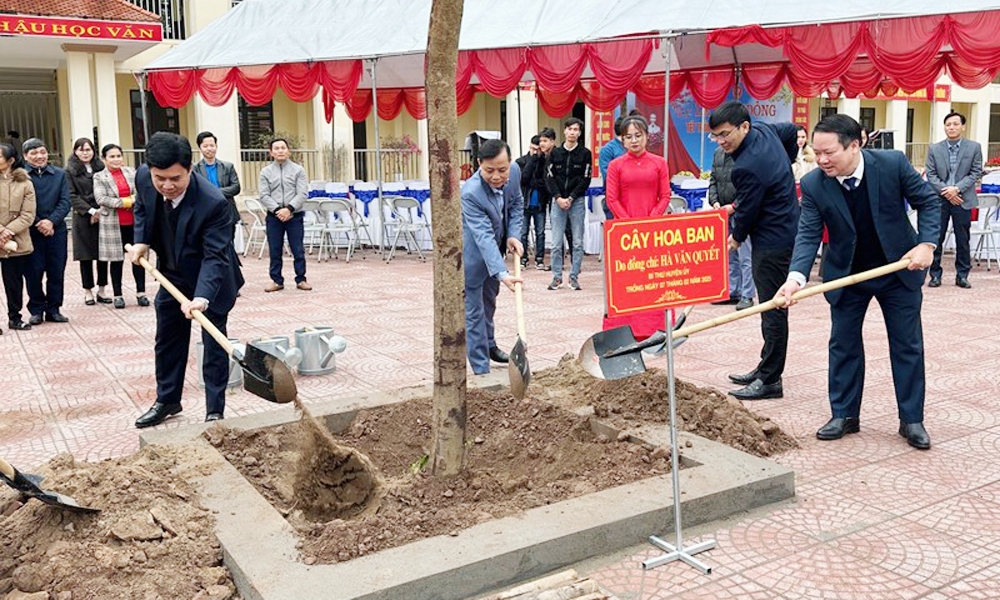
[(954, 166), (861, 196), (492, 216), (187, 221)]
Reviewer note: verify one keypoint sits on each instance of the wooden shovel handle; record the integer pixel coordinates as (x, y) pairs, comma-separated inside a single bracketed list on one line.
[(8, 469), (519, 301), (207, 325), (773, 303)]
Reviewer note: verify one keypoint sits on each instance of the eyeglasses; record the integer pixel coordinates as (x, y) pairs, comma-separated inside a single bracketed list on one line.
[(722, 136), (633, 136)]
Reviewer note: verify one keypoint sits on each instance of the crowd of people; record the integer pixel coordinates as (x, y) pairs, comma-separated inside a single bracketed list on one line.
[(855, 202)]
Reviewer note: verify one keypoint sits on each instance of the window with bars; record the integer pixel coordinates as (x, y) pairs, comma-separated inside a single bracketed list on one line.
[(255, 122), (171, 15)]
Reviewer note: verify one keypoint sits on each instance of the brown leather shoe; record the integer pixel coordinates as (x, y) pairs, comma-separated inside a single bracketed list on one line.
[(304, 286), (274, 287)]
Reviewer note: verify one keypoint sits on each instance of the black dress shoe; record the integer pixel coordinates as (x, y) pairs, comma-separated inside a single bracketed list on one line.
[(35, 320), (144, 301), (119, 302), (934, 282), (499, 356), (56, 317), (915, 435), (838, 427), (104, 300), (743, 379), (19, 325), (213, 416), (758, 390), (963, 282), (157, 414)]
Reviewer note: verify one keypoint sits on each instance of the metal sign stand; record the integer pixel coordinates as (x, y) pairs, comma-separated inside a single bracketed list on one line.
[(675, 551)]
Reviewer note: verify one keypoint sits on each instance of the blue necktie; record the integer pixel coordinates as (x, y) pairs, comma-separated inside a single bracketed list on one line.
[(851, 183)]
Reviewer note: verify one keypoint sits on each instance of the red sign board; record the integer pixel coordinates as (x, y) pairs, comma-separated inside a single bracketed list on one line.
[(80, 28), (655, 263), (602, 131), (940, 92)]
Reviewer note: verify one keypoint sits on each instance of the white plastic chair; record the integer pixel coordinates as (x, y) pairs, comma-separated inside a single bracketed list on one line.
[(313, 224), (407, 223), (338, 215), (257, 227), (373, 221), (987, 228)]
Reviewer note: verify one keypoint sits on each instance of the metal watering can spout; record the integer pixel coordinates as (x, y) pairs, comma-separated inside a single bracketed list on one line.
[(289, 355)]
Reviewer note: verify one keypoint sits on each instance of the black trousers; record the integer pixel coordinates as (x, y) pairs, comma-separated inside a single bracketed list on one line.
[(48, 262), (138, 272), (901, 311), (770, 270), (13, 269), (961, 218), (87, 273), (173, 337)]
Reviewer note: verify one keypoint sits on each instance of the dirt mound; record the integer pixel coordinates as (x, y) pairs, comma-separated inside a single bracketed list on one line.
[(151, 540), (520, 455), (643, 398)]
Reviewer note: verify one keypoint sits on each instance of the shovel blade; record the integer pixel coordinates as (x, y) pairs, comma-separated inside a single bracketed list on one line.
[(593, 357), (29, 486), (267, 376), (519, 370)]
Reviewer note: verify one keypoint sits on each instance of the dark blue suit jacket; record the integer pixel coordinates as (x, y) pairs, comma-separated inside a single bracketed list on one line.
[(891, 182), (766, 206), (203, 245)]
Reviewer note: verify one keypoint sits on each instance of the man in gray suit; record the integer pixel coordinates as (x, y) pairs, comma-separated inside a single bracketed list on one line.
[(219, 172), (492, 217), (953, 168)]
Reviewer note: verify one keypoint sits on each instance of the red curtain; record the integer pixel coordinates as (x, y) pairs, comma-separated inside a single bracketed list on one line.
[(850, 58)]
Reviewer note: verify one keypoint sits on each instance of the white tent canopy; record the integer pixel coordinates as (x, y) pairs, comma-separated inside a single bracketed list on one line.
[(262, 32)]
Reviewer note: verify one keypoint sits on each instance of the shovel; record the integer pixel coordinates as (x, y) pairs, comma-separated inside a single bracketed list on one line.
[(267, 376), (517, 366), (616, 357), (615, 354), (29, 485)]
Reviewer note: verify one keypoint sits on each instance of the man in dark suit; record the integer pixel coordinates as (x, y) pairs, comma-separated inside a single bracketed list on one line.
[(954, 166), (188, 222), (765, 210), (219, 172), (860, 196), (492, 217)]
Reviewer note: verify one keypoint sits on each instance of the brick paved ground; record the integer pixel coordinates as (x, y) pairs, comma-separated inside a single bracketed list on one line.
[(872, 518)]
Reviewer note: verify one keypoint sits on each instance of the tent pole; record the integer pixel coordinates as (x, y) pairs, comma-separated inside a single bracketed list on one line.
[(668, 54), (145, 112), (334, 170), (378, 156), (520, 142)]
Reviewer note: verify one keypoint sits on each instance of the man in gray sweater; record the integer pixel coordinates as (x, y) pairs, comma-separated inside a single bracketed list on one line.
[(283, 190)]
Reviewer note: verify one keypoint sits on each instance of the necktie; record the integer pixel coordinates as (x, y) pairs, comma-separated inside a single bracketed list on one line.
[(851, 183), (168, 206)]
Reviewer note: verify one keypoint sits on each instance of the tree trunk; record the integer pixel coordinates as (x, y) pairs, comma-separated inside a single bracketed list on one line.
[(448, 451)]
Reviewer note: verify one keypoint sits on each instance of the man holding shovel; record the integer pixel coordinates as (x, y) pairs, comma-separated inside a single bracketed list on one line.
[(492, 212), (860, 196), (187, 220)]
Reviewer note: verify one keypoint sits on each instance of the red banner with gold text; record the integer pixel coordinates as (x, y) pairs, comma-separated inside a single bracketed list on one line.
[(80, 28), (656, 263)]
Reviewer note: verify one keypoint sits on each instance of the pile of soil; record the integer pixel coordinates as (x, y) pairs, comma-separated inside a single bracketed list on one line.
[(643, 398), (151, 540), (520, 456)]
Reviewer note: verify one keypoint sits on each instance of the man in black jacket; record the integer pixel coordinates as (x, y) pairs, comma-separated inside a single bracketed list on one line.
[(567, 178), (536, 197), (767, 211), (48, 235)]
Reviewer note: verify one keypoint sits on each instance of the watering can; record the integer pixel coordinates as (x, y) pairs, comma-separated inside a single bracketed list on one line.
[(279, 346), (318, 345)]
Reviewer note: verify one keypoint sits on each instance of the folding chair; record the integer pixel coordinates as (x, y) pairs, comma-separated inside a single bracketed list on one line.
[(257, 227), (406, 221), (313, 223), (987, 228), (677, 205), (338, 214)]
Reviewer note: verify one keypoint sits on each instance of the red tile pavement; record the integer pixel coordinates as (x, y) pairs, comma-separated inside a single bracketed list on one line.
[(872, 518)]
